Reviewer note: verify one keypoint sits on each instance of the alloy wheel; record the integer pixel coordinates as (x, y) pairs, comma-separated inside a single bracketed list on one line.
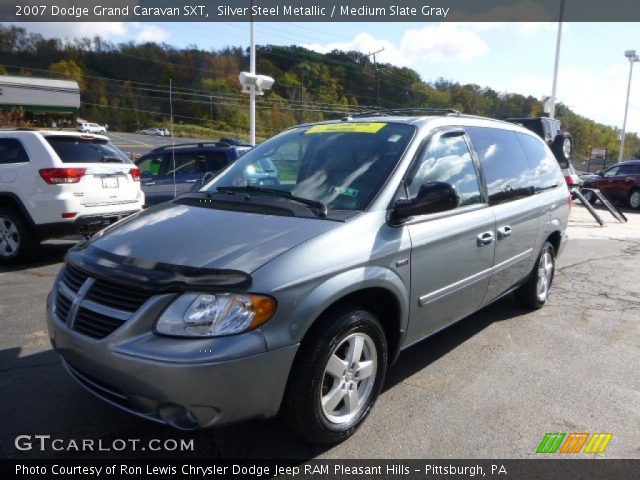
[(546, 268), (634, 200), (9, 237), (348, 379)]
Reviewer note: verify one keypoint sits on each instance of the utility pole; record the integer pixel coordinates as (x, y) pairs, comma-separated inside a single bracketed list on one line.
[(552, 109), (375, 66), (173, 144), (302, 67)]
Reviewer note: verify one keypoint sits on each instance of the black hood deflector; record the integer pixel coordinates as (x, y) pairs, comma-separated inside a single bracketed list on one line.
[(152, 276)]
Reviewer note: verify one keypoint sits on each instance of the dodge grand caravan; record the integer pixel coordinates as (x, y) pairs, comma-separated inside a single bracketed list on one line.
[(239, 301)]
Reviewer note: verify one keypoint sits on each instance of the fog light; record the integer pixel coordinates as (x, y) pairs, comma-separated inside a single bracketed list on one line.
[(177, 416)]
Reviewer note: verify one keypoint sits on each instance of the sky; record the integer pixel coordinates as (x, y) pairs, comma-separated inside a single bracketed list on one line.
[(508, 57)]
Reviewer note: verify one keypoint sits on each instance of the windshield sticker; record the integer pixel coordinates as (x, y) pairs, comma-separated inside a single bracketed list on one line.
[(359, 127), (394, 138), (349, 192)]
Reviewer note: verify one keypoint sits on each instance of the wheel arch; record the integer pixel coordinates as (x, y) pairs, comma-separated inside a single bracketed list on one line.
[(11, 200), (377, 289)]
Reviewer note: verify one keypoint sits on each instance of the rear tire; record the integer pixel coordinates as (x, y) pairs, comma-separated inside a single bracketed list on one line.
[(17, 241), (634, 199), (534, 293), (336, 377)]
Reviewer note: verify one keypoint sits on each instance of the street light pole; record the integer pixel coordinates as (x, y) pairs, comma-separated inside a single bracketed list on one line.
[(633, 58), (552, 108), (252, 94)]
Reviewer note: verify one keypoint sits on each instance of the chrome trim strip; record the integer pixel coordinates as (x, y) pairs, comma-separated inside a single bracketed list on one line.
[(104, 310), (476, 277)]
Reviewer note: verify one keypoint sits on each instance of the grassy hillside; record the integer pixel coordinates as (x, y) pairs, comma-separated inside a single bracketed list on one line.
[(127, 87)]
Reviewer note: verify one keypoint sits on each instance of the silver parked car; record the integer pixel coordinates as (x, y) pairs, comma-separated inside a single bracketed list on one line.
[(297, 297)]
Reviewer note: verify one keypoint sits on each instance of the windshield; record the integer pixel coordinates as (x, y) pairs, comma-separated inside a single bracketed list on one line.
[(86, 150), (342, 165)]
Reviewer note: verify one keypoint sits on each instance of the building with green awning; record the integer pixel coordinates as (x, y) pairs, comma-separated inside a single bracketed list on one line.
[(43, 102)]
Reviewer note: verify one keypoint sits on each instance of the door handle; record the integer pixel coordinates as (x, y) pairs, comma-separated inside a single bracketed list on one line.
[(485, 238), (191, 181), (504, 232), (149, 184)]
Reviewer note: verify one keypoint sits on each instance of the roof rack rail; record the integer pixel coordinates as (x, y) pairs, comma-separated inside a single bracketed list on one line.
[(191, 144), (396, 111)]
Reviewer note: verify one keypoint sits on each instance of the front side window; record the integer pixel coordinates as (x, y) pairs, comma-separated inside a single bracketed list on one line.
[(505, 166), (343, 165), (612, 172), (150, 166), (628, 169), (86, 150), (12, 151), (447, 159)]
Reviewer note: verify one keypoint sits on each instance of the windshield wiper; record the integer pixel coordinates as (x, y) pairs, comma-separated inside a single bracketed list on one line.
[(319, 206)]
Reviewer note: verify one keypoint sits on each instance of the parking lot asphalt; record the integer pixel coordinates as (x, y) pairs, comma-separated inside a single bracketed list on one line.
[(135, 145), (489, 386)]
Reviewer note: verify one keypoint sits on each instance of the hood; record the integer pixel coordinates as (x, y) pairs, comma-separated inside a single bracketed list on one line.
[(207, 238)]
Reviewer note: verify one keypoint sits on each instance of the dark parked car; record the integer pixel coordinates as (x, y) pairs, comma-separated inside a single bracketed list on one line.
[(189, 165), (620, 182)]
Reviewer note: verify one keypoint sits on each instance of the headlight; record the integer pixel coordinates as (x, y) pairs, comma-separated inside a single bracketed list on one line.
[(209, 315)]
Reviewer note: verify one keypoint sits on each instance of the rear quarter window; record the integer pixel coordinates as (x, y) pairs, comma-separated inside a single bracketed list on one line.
[(89, 150), (546, 171)]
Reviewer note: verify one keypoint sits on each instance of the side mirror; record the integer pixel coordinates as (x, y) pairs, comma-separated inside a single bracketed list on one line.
[(433, 197), (207, 177)]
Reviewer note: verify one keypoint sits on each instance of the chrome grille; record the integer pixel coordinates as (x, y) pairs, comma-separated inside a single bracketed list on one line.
[(73, 277), (94, 307), (63, 306), (94, 324)]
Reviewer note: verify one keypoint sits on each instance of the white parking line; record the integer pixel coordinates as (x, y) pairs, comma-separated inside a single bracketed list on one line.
[(125, 139)]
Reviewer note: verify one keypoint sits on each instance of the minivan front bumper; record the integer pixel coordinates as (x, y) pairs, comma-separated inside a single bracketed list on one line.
[(183, 394)]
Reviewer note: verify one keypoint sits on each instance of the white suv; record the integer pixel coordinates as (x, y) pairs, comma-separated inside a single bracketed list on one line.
[(91, 128), (55, 183)]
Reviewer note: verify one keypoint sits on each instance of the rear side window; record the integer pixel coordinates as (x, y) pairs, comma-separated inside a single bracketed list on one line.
[(186, 163), (81, 150), (505, 166), (12, 151), (546, 171)]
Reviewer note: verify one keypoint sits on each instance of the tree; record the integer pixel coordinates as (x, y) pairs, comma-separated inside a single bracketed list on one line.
[(70, 70)]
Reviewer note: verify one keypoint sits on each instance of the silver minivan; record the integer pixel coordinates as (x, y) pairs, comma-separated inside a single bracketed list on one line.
[(241, 301)]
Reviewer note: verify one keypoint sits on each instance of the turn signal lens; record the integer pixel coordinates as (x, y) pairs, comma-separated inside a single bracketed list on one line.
[(135, 173)]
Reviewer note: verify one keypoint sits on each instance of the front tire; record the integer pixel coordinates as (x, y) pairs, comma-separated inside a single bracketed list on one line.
[(17, 241), (534, 292), (337, 376)]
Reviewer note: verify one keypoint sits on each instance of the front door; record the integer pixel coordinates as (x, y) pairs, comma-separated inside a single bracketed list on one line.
[(452, 252)]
